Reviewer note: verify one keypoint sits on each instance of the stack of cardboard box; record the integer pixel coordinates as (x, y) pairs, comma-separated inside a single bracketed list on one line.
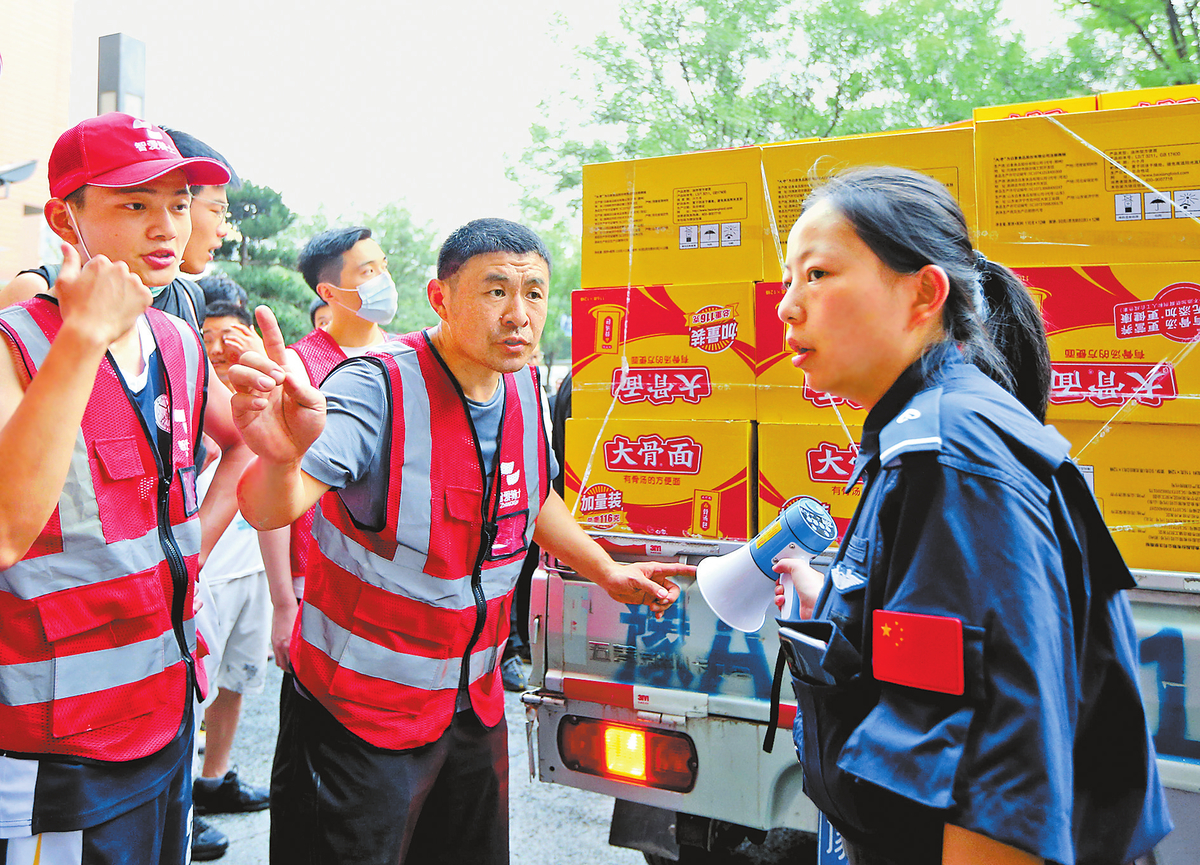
[(689, 419), (1098, 211)]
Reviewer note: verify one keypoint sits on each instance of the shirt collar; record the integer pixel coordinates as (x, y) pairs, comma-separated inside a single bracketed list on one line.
[(924, 371)]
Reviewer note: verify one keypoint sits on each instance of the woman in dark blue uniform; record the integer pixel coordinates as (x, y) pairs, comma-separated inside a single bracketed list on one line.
[(978, 699)]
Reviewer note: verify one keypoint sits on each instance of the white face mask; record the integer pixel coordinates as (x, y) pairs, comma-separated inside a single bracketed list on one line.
[(379, 299)]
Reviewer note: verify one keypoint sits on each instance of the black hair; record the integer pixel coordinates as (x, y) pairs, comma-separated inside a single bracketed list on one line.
[(189, 147), (909, 220), (223, 296), (318, 303), (321, 259), (230, 309), (481, 236), (75, 197)]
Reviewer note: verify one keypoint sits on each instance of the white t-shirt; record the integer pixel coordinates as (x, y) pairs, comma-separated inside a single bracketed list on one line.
[(236, 553)]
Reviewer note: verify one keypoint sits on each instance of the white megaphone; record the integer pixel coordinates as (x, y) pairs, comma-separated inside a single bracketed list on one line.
[(740, 586)]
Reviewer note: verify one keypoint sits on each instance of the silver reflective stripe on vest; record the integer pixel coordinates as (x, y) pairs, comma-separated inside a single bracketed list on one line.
[(403, 575), (370, 659), (87, 673), (86, 560), (530, 396), (415, 518)]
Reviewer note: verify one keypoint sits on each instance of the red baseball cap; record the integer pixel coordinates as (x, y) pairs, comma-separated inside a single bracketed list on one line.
[(117, 150)]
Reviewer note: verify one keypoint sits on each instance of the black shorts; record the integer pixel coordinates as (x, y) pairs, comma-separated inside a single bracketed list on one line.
[(337, 798)]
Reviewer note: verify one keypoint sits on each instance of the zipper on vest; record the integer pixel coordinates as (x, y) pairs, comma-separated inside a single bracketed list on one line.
[(490, 526), (179, 577), (166, 538), (489, 536)]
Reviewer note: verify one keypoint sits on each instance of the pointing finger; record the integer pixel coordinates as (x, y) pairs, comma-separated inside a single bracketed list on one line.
[(272, 336)]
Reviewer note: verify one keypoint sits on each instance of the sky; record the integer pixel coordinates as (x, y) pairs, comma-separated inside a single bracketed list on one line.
[(352, 104)]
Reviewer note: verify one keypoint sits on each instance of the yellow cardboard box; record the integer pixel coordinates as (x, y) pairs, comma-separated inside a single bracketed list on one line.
[(688, 219), (1146, 478), (1121, 339), (689, 349), (1062, 190), (781, 393), (945, 153), (664, 477), (1067, 105), (807, 460), (1150, 96)]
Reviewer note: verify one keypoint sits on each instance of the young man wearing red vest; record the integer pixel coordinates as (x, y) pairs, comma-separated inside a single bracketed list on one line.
[(432, 468), (102, 406), (347, 270)]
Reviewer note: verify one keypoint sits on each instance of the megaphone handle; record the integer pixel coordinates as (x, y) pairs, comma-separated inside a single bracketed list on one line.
[(791, 602)]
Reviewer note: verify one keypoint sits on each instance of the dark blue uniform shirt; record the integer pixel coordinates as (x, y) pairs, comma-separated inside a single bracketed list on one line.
[(972, 509)]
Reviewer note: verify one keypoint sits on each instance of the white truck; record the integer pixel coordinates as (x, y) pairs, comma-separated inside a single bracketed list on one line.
[(668, 717)]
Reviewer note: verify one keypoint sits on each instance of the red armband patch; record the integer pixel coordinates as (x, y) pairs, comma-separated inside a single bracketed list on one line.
[(917, 650)]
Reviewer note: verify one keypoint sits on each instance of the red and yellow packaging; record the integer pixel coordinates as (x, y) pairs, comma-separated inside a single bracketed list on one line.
[(945, 153), (1121, 340), (783, 395), (1066, 105), (1146, 478), (690, 351), (665, 477), (1150, 96), (687, 220), (1097, 187), (807, 460)]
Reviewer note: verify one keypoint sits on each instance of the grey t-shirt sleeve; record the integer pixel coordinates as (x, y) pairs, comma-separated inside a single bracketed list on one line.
[(349, 454)]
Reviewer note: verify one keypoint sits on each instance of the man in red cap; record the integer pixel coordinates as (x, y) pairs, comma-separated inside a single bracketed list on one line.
[(102, 409)]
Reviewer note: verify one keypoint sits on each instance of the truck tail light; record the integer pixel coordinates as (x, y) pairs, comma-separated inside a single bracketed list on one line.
[(645, 756)]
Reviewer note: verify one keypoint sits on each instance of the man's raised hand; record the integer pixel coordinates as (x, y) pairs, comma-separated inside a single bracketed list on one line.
[(277, 410), (102, 299)]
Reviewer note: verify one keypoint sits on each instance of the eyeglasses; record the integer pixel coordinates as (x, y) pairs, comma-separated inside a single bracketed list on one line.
[(223, 206)]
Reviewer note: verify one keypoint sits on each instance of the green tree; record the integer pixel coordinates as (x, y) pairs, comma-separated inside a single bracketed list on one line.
[(280, 288), (686, 75), (411, 250), (1149, 43), (258, 213)]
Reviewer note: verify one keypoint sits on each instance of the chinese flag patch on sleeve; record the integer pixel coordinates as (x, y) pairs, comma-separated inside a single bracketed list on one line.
[(917, 650)]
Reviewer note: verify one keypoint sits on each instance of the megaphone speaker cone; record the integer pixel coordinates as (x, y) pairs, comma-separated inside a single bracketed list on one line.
[(736, 589)]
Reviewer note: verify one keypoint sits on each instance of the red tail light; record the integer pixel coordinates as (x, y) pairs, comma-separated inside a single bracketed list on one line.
[(645, 756)]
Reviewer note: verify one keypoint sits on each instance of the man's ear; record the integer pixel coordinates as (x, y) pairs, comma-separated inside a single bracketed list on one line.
[(56, 217), (436, 291), (325, 291), (930, 290)]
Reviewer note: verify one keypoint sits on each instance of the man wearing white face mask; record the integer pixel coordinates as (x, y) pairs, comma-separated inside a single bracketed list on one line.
[(348, 270)]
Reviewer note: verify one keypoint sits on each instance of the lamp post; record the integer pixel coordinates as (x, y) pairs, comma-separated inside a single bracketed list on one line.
[(121, 78)]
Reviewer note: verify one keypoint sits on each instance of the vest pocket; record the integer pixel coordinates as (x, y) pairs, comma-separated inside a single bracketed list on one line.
[(106, 639), (456, 533), (510, 537), (124, 486)]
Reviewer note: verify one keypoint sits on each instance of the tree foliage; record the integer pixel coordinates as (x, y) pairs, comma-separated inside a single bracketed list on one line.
[(269, 274), (686, 75), (1148, 43), (280, 288), (258, 213), (411, 250)]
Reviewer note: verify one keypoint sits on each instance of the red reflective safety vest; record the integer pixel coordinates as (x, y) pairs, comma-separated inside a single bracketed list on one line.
[(393, 614), (320, 354), (97, 618)]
